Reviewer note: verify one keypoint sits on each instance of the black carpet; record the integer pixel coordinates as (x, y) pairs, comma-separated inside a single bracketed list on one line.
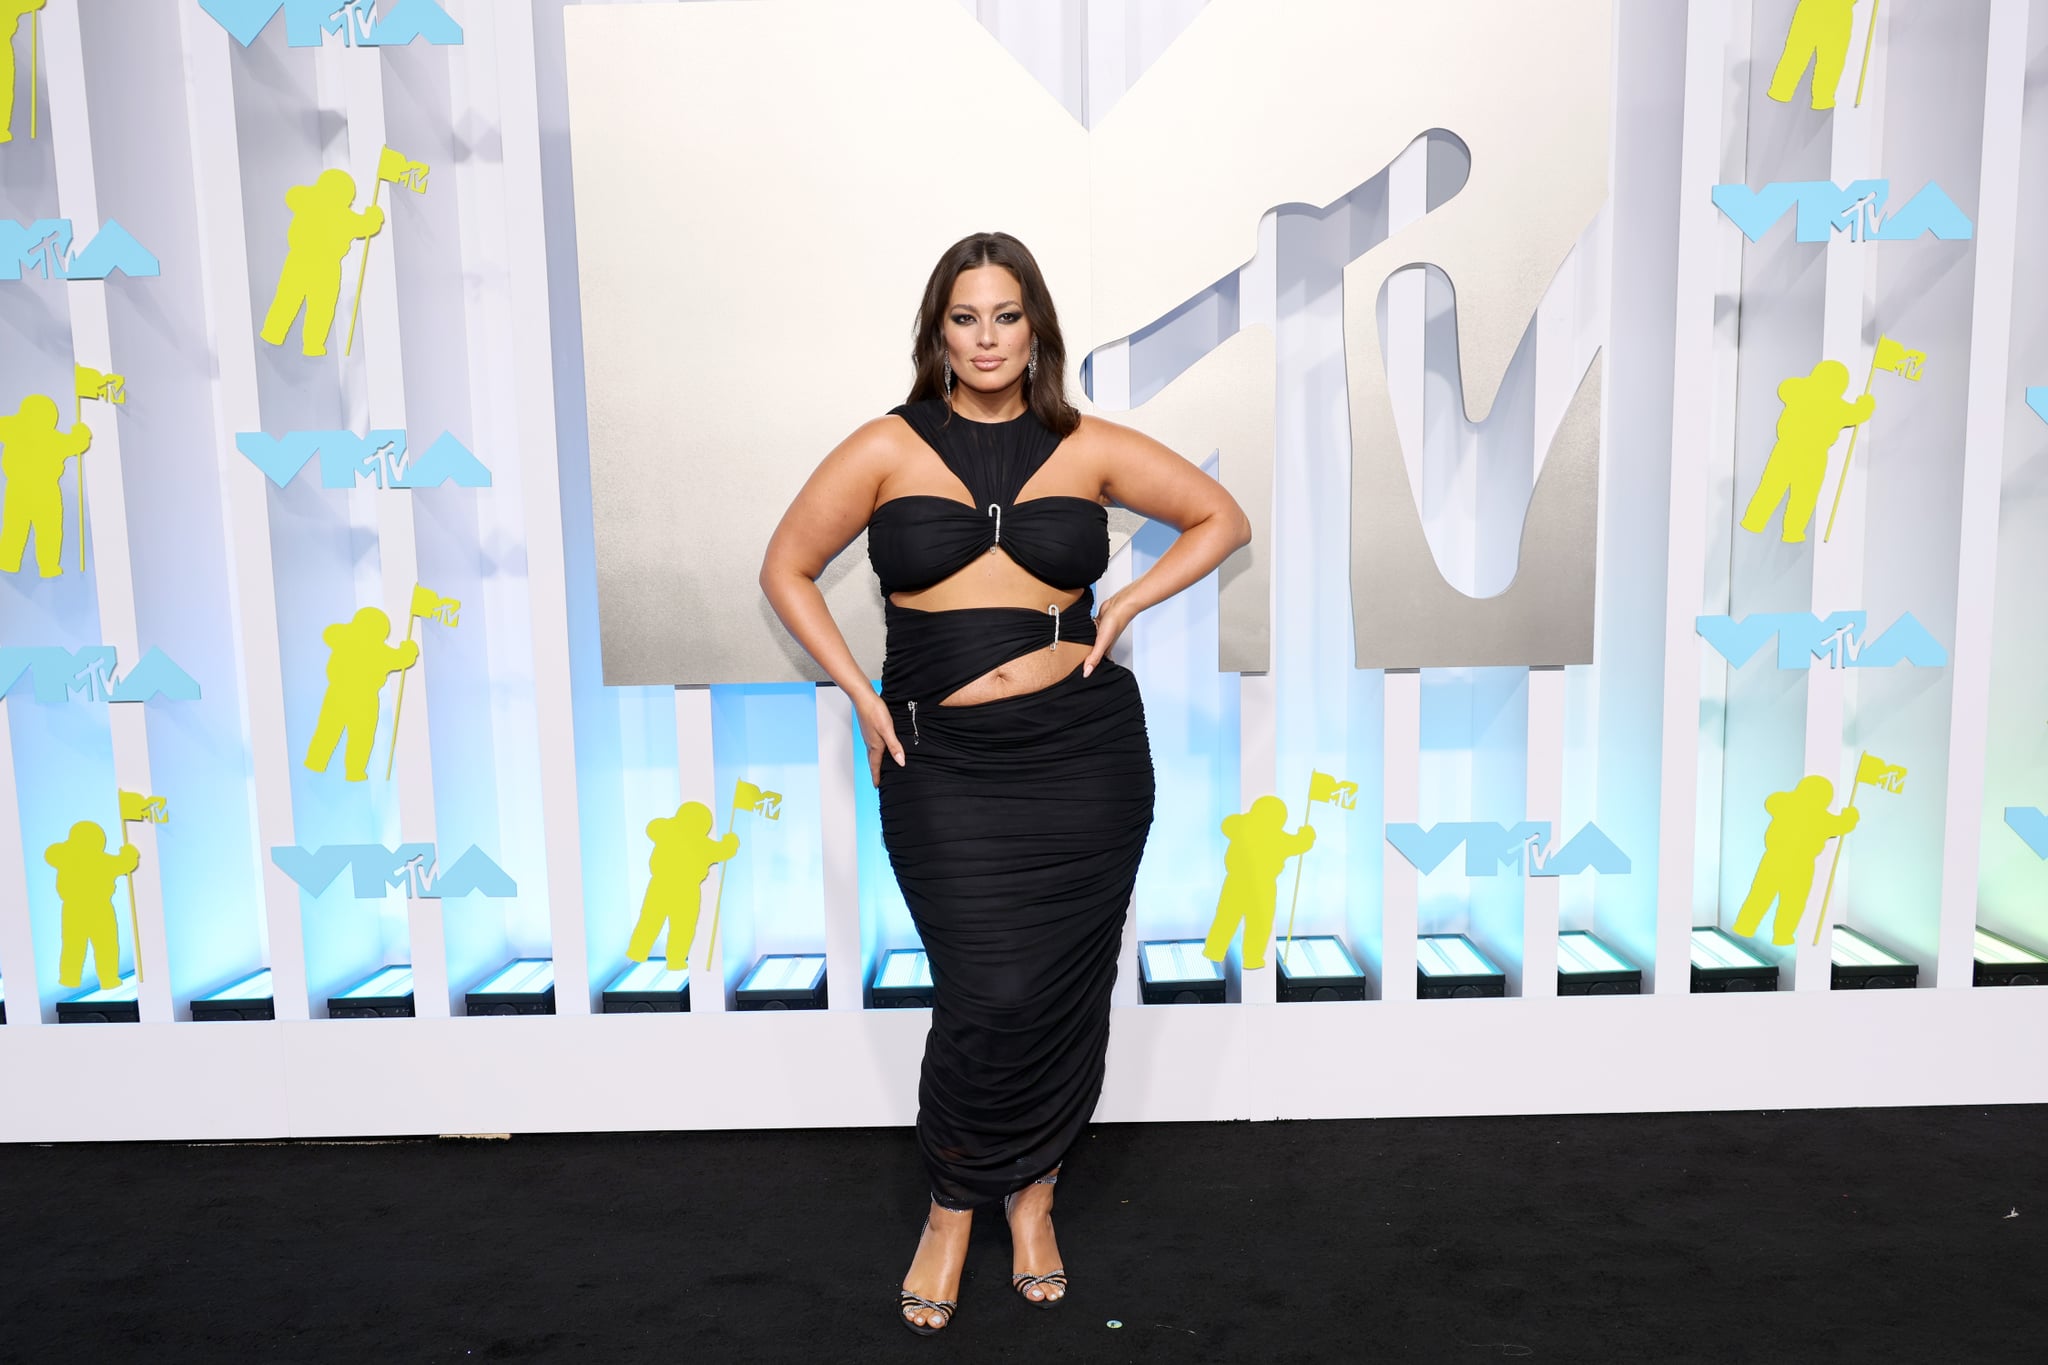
[(1914, 1235)]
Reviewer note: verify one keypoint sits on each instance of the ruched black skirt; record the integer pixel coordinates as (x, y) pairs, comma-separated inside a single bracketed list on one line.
[(1015, 829)]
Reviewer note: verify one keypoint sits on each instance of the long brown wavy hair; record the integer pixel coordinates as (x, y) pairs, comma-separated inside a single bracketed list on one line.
[(1047, 394)]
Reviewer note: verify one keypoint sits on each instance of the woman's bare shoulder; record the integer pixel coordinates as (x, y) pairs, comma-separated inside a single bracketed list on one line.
[(876, 445)]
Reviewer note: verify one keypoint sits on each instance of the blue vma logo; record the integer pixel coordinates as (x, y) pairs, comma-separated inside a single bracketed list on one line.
[(361, 23), (379, 455), (375, 869), (60, 673), (44, 247), (1803, 637), (1490, 847), (1825, 208), (2031, 824)]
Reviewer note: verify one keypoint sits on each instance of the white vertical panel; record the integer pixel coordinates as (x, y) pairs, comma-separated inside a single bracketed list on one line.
[(380, 402), (1983, 461), (540, 498), (1545, 801), (106, 503), (700, 783), (836, 823), (210, 112), (1401, 778), (1257, 775), (1858, 137), (1701, 273), (17, 941), (1110, 376)]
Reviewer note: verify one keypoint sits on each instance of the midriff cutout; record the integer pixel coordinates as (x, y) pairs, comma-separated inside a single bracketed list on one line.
[(993, 579), (1033, 672)]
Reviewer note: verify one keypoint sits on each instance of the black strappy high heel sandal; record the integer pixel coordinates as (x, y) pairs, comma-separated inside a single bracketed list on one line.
[(1055, 1278), (908, 1300)]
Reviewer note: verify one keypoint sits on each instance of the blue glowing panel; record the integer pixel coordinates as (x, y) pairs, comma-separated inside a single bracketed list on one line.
[(1321, 956), (1990, 948), (122, 993), (1848, 948), (905, 968), (651, 975), (1579, 953), (1179, 960), (1451, 955), (527, 976), (777, 972), (254, 986), (1714, 950), (389, 982)]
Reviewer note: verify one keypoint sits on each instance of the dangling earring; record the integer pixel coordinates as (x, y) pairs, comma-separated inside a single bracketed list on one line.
[(1031, 365), (947, 362)]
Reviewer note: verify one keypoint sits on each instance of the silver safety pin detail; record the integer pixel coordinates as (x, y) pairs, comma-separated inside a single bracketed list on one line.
[(915, 737), (1055, 627), (995, 510)]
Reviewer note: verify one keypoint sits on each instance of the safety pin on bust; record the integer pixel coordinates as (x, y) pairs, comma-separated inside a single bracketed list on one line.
[(995, 510)]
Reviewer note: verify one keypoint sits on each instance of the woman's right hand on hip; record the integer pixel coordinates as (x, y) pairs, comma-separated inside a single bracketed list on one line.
[(878, 730)]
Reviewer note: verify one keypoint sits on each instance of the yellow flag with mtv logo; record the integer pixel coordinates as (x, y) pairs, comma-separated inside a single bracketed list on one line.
[(1893, 358), (428, 605), (135, 807), (1874, 771), (747, 796), (1336, 791), (394, 169)]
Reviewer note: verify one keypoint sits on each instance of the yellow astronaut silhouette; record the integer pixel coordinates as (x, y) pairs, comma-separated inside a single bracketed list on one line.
[(324, 227), (1820, 35), (1801, 825), (682, 859), (1259, 846), (32, 457), (86, 874), (11, 14), (356, 671), (1814, 416)]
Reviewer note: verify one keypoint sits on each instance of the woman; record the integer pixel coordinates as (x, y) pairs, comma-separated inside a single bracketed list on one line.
[(1017, 792)]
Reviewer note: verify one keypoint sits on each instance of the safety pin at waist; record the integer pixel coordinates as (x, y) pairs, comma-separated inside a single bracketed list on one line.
[(1055, 627), (995, 510)]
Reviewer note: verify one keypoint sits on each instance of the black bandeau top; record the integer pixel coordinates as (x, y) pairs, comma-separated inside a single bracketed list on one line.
[(919, 539)]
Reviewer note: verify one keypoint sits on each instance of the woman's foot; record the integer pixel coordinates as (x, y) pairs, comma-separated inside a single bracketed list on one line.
[(1034, 1252), (935, 1270)]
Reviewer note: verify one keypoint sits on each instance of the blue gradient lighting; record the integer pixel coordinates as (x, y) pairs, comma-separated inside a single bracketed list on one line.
[(1179, 960), (1174, 972), (254, 986), (1580, 954), (1451, 955), (523, 976), (785, 972), (121, 994), (651, 975), (1714, 949), (905, 969), (1851, 949), (387, 983), (1321, 956)]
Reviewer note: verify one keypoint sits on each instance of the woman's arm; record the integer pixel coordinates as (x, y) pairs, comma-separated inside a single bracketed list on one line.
[(1153, 481), (824, 517)]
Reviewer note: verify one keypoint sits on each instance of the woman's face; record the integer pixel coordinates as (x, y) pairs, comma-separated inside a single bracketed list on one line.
[(985, 330)]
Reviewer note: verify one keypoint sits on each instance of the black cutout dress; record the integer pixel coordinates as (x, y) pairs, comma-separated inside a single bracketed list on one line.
[(1016, 826)]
